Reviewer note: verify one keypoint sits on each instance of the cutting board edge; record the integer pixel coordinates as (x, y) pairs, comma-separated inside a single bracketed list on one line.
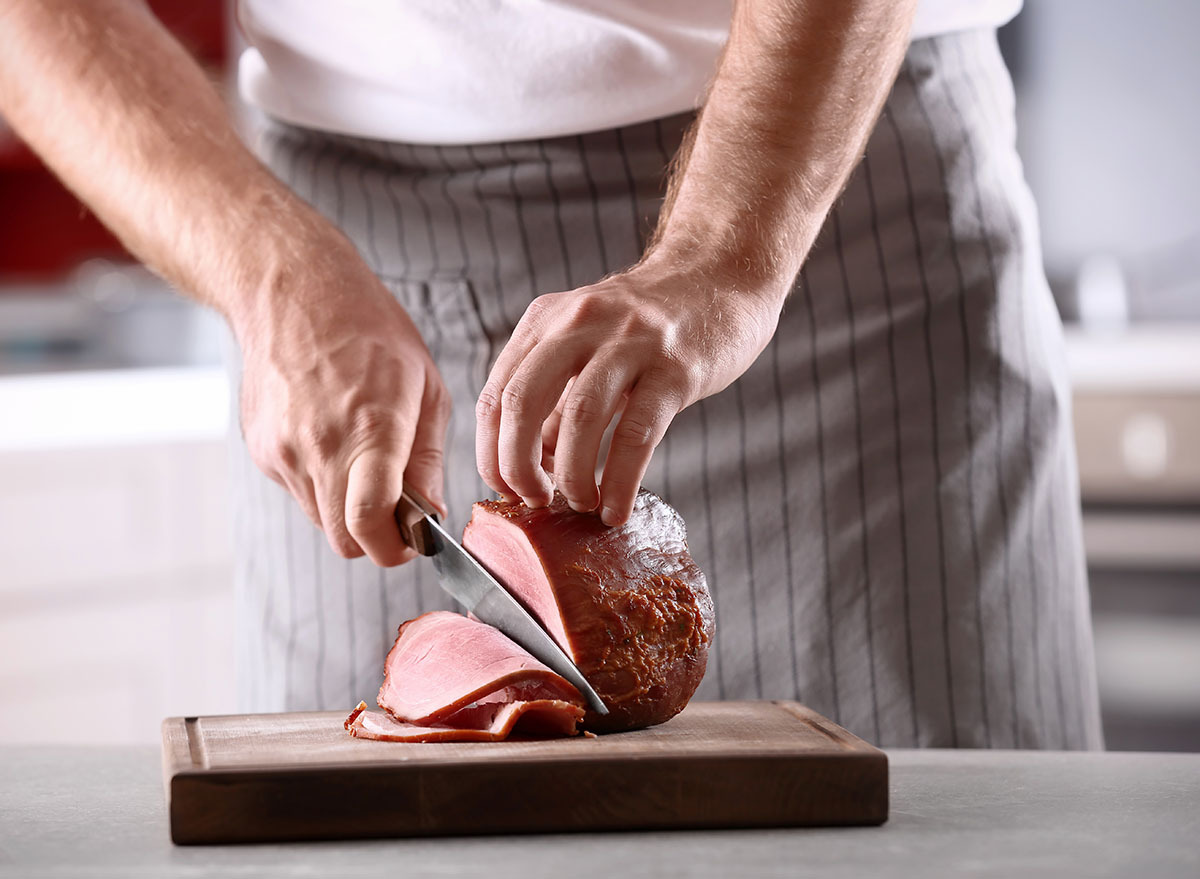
[(708, 794)]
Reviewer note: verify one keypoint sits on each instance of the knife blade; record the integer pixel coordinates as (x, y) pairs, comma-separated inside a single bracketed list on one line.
[(462, 576)]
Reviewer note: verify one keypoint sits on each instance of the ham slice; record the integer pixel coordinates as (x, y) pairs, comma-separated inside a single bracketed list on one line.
[(627, 604), (542, 717), (450, 678)]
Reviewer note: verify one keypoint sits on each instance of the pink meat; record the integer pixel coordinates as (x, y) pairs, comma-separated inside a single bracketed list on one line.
[(628, 604), (542, 717), (450, 678)]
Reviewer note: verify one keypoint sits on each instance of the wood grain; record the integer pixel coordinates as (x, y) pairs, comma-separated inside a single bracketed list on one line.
[(258, 778)]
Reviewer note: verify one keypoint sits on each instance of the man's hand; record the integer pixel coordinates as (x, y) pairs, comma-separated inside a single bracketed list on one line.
[(341, 402), (788, 114), (654, 340)]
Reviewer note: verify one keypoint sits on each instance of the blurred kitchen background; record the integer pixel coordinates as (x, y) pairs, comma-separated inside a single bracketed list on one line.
[(115, 571)]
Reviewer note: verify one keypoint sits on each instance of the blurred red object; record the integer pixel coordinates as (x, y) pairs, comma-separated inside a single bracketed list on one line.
[(44, 230)]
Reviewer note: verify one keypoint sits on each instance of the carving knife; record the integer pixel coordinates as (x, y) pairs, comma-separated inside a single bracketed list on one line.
[(469, 583)]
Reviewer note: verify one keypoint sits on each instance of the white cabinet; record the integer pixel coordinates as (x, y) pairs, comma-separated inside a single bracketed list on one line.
[(116, 600)]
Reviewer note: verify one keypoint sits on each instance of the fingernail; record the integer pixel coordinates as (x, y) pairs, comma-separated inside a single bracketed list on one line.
[(608, 516)]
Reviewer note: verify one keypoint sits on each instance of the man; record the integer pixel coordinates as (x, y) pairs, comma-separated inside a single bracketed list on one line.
[(876, 470)]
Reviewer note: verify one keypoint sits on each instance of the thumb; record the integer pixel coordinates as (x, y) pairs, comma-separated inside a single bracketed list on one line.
[(425, 470)]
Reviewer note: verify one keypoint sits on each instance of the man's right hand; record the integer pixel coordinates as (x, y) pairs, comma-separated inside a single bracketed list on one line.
[(341, 402), (340, 399)]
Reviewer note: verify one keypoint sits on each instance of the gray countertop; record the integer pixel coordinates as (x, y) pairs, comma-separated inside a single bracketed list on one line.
[(100, 812)]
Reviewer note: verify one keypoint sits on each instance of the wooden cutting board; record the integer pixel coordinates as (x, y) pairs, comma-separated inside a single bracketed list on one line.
[(273, 777)]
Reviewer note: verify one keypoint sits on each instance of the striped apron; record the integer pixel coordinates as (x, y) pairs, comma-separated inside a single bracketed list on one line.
[(885, 504)]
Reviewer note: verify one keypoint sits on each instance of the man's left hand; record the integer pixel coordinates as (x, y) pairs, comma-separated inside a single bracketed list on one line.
[(653, 339)]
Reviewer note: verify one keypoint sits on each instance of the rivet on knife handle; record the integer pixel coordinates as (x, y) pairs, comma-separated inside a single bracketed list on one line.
[(411, 513)]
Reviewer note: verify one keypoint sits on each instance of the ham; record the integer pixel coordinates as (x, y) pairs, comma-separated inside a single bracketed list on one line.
[(627, 604), (450, 678), (543, 717)]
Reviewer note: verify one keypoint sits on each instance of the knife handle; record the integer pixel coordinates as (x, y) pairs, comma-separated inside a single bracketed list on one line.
[(412, 515)]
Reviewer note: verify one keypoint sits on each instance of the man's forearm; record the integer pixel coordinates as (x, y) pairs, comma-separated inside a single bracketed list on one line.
[(125, 117), (787, 117)]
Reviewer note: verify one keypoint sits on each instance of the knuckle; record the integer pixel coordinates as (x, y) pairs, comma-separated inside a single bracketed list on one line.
[(489, 405), (322, 438), (694, 376), (544, 305), (514, 399), (260, 451), (638, 324), (280, 454), (677, 381), (269, 452), (427, 459), (583, 406), (537, 315), (575, 476), (665, 345), (490, 474), (635, 431), (587, 309), (373, 421), (576, 486), (513, 475), (367, 517), (520, 477), (641, 323), (344, 545), (390, 556)]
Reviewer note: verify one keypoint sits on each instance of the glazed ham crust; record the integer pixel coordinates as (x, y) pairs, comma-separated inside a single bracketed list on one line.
[(627, 603)]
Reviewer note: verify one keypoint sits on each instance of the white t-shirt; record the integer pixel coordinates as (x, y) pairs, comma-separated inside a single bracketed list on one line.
[(479, 71)]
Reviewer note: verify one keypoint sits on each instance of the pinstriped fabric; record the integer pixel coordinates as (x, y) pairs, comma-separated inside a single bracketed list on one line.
[(901, 560), (789, 577), (975, 102), (637, 216), (705, 554), (822, 473), (884, 504), (860, 446), (930, 472), (1046, 397), (983, 234), (967, 415)]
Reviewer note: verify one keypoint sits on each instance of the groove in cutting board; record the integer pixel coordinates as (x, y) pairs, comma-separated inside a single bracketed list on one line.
[(195, 742)]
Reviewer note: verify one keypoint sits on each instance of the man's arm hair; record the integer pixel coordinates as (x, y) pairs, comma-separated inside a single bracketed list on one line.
[(340, 400), (124, 116), (787, 117)]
